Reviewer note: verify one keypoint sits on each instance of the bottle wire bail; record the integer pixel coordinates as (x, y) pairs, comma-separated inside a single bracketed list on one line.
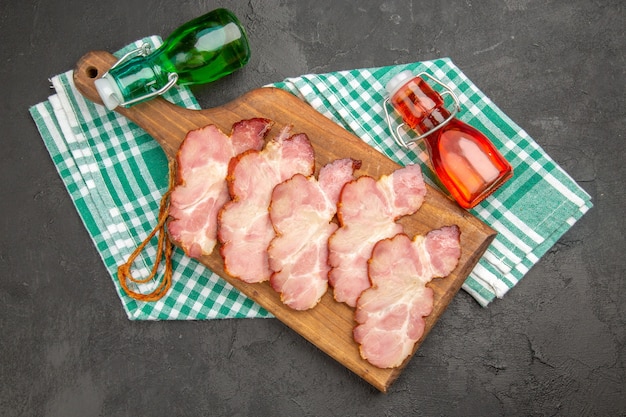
[(395, 133), (144, 50)]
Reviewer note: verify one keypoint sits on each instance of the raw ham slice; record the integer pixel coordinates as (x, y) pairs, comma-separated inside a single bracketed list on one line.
[(201, 188), (301, 211), (391, 313), (367, 212), (245, 229)]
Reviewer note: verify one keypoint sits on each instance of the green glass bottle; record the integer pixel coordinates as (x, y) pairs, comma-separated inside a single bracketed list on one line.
[(200, 51)]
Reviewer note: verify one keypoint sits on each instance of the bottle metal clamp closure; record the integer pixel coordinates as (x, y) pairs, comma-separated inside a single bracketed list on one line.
[(144, 50), (397, 135)]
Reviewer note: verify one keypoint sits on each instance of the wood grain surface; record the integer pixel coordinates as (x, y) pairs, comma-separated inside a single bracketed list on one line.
[(329, 325)]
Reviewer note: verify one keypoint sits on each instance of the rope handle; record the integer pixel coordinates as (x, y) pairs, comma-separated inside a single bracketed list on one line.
[(164, 250)]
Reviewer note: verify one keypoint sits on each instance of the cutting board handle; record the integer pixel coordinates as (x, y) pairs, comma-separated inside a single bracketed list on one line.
[(167, 123)]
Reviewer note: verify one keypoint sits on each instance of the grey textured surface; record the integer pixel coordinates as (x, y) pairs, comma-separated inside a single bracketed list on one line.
[(553, 346)]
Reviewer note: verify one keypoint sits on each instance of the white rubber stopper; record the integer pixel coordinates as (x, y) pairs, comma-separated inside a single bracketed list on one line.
[(398, 81), (109, 92)]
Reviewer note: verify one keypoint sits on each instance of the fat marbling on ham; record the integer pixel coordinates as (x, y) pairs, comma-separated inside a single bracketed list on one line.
[(301, 211), (201, 188), (367, 211), (245, 229), (390, 314)]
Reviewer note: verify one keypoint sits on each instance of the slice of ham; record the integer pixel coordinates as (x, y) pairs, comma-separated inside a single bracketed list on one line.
[(301, 212), (245, 229), (201, 188), (391, 313), (367, 212)]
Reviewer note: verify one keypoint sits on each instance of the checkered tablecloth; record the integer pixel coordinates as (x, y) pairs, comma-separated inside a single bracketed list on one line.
[(115, 174)]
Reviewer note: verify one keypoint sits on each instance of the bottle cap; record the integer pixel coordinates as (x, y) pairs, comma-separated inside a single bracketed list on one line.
[(398, 81), (109, 92)]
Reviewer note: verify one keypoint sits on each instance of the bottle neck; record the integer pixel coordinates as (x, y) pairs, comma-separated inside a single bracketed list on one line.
[(139, 77), (432, 120), (421, 107)]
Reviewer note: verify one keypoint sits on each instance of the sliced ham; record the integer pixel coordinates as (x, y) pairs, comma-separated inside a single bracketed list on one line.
[(245, 229), (390, 314), (301, 212), (367, 212), (201, 188)]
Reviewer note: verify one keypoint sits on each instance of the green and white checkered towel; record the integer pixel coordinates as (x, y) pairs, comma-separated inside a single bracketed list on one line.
[(530, 212), (115, 174)]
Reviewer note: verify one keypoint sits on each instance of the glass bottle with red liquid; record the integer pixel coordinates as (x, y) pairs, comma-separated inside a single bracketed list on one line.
[(464, 159)]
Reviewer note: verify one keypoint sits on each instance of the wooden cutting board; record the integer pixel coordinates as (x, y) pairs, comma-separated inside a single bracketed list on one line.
[(329, 325)]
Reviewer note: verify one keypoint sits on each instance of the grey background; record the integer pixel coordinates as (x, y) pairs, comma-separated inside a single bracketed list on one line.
[(553, 346)]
